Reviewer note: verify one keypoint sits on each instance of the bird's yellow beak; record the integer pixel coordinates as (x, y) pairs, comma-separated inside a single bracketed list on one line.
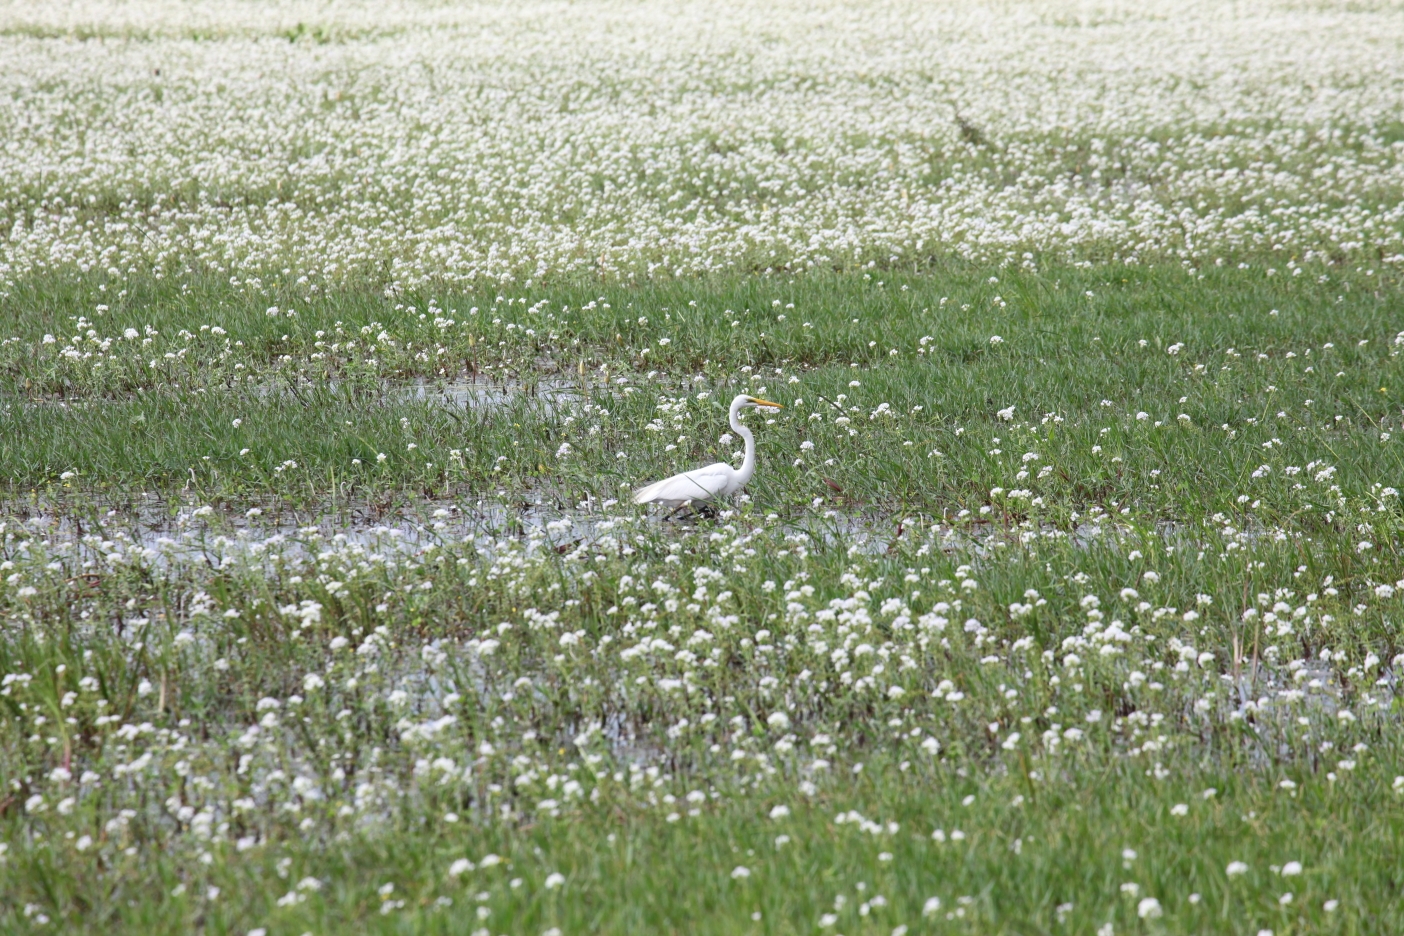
[(759, 402)]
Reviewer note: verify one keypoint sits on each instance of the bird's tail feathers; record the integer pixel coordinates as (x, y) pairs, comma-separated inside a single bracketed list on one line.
[(646, 493)]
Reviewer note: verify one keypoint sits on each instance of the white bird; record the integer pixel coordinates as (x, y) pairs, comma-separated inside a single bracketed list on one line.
[(703, 485)]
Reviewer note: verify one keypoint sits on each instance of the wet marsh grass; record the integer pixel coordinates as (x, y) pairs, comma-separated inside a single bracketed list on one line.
[(1142, 661), (1193, 355), (1044, 828), (1067, 598)]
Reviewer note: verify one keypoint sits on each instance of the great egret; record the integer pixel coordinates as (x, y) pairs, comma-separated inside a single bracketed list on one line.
[(703, 485)]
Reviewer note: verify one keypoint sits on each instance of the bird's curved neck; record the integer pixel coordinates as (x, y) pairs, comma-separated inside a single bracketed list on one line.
[(748, 466)]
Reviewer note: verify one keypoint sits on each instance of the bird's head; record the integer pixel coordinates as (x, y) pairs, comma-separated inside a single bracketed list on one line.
[(757, 401)]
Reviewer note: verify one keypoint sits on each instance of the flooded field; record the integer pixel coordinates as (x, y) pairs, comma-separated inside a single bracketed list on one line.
[(1060, 588)]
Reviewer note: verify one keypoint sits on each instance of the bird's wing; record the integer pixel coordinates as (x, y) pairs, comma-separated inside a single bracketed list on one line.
[(700, 484)]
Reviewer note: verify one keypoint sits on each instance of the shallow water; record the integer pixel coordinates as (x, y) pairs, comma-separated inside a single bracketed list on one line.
[(173, 530), (474, 395), (458, 393)]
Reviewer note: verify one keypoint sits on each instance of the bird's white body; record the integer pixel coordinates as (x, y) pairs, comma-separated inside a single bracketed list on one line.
[(702, 485)]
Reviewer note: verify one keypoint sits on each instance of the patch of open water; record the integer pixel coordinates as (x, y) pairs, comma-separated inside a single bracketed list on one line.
[(171, 530)]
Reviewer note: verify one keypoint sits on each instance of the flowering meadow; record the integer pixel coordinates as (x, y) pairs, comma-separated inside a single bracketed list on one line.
[(1067, 595), (311, 144)]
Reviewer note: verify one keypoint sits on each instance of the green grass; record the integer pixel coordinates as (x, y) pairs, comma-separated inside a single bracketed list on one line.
[(1070, 365), (627, 872), (877, 629)]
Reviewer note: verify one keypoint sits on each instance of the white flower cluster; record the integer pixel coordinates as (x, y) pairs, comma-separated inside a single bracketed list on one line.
[(429, 143)]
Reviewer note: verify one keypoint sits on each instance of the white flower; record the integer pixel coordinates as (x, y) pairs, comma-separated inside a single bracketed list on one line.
[(1149, 909), (460, 867), (1236, 868), (931, 907), (554, 880), (1007, 413), (1291, 868), (739, 872), (779, 812)]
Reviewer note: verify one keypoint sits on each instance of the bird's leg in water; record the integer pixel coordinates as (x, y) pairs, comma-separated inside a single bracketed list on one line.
[(673, 514), (694, 509)]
